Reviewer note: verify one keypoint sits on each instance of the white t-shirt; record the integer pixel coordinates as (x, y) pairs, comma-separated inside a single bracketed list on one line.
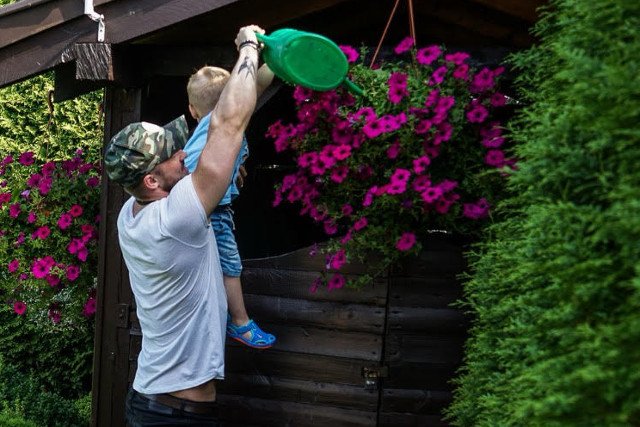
[(174, 270)]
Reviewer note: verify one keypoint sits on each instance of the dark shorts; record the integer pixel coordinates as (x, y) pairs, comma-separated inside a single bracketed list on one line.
[(143, 412)]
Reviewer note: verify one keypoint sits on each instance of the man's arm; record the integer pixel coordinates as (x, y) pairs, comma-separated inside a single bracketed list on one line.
[(264, 79), (229, 120)]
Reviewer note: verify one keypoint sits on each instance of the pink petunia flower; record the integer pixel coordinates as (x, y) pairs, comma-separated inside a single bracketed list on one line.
[(347, 210), (396, 94), (41, 233), (14, 210), (368, 198), (73, 272), (360, 223), (26, 158), (495, 158), (341, 152), (339, 174), (337, 281), (438, 76), (400, 175), (44, 186), (477, 114), (34, 179), (372, 129), (406, 241), (431, 194), (393, 150), (404, 45), (32, 217), (52, 280), (330, 227), (427, 55), (351, 54), (482, 81), (48, 168), (82, 254), (421, 164), (19, 307), (54, 315), (461, 72), (13, 266), (75, 211), (89, 308), (93, 182), (7, 160), (338, 260), (39, 270), (457, 58), (421, 183), (65, 221), (477, 210), (498, 99)]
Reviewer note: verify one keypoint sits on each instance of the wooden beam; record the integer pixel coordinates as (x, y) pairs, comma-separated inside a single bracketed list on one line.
[(124, 20), (25, 19), (524, 9)]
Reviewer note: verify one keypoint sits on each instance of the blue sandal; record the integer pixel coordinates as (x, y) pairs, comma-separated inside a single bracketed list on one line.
[(259, 338)]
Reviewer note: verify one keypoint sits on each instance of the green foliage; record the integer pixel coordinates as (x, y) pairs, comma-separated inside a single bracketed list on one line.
[(7, 419), (30, 122), (556, 290), (21, 395), (5, 2), (58, 357)]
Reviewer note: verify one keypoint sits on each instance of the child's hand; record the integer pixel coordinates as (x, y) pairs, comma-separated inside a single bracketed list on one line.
[(242, 173)]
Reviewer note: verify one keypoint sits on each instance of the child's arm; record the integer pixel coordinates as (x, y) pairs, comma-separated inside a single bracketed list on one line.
[(264, 78)]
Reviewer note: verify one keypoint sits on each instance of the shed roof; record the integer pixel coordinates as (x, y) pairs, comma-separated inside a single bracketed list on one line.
[(40, 35)]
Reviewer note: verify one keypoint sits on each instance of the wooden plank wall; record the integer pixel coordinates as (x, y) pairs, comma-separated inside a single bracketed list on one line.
[(313, 375), (425, 335)]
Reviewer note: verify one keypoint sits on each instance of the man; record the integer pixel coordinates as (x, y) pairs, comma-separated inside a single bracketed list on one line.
[(169, 248)]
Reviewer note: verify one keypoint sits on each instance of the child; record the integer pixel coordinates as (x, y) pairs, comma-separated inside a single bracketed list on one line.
[(204, 89)]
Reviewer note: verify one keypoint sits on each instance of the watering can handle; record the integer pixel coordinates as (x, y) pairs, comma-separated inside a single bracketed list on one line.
[(353, 88)]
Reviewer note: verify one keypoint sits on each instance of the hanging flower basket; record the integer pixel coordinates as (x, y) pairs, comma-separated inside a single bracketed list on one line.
[(421, 150)]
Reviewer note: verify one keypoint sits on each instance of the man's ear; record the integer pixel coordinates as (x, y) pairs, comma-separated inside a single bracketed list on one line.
[(150, 182), (194, 113)]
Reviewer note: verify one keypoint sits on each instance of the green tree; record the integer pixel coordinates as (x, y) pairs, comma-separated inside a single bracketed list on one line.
[(556, 290)]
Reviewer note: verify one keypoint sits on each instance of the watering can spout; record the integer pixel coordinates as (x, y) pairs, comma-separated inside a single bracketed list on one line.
[(306, 59)]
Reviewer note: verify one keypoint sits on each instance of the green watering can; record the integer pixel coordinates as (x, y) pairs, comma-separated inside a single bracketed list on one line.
[(306, 59)]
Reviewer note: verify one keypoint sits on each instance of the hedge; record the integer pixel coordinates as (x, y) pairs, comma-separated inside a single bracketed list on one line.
[(555, 291)]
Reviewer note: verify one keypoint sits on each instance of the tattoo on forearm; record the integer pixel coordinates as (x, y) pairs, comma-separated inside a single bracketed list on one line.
[(249, 66)]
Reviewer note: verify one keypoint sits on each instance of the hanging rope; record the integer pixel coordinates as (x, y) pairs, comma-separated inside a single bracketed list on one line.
[(412, 28)]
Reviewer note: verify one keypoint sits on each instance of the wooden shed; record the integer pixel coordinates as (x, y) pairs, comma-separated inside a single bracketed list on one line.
[(383, 355)]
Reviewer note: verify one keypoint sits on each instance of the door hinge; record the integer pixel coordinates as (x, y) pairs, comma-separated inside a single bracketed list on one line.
[(122, 316), (372, 375)]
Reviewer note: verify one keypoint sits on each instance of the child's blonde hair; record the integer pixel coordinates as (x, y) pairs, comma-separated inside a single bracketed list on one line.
[(204, 88)]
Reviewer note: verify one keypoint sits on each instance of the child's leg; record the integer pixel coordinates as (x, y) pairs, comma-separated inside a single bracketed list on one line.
[(240, 326), (235, 301)]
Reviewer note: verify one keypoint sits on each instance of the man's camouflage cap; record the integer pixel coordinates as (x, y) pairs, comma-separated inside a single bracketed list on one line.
[(138, 148)]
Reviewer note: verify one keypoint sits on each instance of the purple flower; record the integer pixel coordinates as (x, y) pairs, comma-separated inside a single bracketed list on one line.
[(406, 241), (427, 55), (495, 158), (404, 45), (438, 76), (351, 54), (337, 281), (477, 114), (457, 58), (26, 158)]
